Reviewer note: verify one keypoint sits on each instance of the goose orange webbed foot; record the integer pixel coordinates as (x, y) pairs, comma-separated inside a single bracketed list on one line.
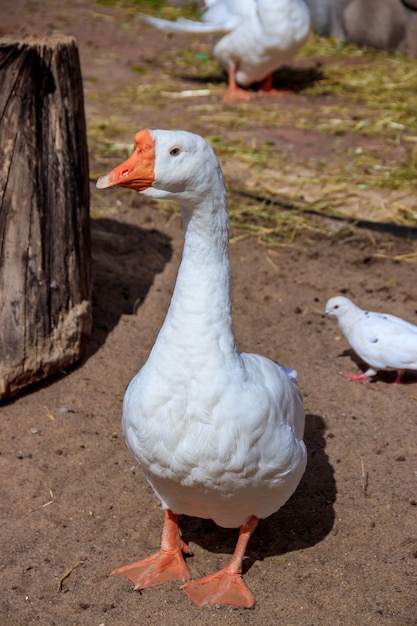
[(234, 92), (220, 588), (157, 569), (166, 565), (226, 586), (266, 88)]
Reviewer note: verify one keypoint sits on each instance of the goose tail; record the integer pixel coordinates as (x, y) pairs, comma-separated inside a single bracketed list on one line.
[(182, 25)]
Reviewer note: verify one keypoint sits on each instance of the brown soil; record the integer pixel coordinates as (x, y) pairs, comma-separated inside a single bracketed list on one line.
[(74, 505)]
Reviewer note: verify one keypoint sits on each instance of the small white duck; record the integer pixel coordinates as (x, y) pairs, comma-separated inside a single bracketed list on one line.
[(257, 38), (217, 433), (383, 341)]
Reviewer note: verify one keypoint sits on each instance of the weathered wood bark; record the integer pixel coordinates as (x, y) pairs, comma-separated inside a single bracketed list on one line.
[(45, 293)]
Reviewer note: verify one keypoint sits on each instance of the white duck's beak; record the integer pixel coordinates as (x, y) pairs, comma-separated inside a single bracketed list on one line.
[(138, 172)]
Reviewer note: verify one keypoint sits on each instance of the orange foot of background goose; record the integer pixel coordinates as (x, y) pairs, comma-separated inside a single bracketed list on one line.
[(234, 92), (266, 88)]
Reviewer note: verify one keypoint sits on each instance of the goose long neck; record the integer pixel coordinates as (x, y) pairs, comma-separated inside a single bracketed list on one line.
[(200, 310)]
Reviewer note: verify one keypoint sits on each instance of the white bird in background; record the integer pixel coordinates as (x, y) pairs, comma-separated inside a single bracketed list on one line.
[(381, 340), (217, 433), (257, 38)]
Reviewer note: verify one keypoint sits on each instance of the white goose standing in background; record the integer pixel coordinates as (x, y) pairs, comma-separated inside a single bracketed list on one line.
[(383, 341), (257, 38), (217, 433)]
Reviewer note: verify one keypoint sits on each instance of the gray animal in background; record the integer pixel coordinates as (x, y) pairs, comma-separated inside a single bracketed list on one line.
[(383, 24), (381, 340)]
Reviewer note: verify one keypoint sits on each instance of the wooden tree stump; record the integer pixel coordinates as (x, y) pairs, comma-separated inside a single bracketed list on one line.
[(45, 289)]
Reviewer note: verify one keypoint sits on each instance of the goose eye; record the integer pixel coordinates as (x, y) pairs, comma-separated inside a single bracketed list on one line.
[(174, 151)]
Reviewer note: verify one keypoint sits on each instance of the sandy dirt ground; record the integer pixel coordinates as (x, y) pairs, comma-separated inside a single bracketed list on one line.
[(343, 550)]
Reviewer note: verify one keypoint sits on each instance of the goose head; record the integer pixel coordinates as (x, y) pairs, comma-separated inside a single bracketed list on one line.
[(169, 164)]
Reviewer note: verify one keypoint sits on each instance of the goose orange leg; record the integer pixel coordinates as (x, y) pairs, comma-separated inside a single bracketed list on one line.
[(234, 92), (167, 564), (266, 88), (226, 586)]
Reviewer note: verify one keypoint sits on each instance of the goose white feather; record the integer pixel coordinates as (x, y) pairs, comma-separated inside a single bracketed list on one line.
[(217, 433), (381, 340), (257, 38)]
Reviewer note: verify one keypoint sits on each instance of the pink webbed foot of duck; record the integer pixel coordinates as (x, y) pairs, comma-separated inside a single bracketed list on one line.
[(364, 376), (166, 565), (226, 586), (234, 92)]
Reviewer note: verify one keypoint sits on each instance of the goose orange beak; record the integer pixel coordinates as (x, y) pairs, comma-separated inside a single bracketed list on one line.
[(138, 172)]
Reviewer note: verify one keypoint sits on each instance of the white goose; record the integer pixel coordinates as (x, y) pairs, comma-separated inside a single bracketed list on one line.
[(217, 433), (257, 38), (383, 341)]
